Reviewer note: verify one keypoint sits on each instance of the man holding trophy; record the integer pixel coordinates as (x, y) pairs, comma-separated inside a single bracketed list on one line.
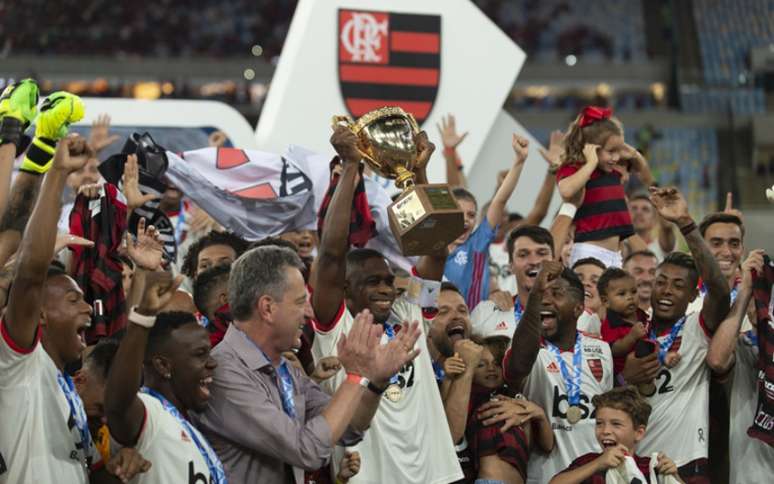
[(409, 440)]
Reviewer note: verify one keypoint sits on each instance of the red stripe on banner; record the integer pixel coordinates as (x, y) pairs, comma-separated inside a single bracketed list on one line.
[(415, 42), (474, 293), (404, 76), (359, 107), (262, 191)]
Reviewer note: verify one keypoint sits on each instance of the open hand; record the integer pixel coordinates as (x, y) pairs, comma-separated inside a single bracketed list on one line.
[(671, 205), (131, 185), (448, 131), (100, 136), (146, 250)]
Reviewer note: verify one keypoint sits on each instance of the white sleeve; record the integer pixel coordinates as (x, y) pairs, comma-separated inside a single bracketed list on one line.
[(18, 365), (150, 423)]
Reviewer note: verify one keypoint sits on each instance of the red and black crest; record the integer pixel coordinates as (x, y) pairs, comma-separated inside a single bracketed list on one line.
[(595, 365), (389, 59)]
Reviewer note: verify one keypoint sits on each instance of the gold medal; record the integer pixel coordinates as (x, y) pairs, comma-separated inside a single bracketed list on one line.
[(646, 389), (574, 414), (394, 393)]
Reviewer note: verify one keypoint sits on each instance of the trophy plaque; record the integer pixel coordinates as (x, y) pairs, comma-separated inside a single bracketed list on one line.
[(425, 218)]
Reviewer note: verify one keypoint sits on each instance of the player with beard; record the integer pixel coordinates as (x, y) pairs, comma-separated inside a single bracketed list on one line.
[(680, 415), (642, 266), (558, 367), (409, 440)]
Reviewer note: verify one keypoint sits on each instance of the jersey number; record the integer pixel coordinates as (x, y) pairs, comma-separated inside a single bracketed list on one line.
[(665, 387)]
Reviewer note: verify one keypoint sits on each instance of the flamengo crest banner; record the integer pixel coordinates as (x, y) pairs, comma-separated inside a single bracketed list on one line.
[(389, 59), (432, 57)]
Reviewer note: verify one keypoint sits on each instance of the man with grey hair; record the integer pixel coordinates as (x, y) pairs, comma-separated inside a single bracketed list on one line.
[(267, 421)]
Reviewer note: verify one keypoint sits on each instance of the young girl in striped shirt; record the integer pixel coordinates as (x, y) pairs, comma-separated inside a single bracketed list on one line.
[(597, 160)]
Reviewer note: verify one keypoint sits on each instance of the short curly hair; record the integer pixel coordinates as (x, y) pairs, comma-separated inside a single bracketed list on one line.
[(191, 259), (626, 399)]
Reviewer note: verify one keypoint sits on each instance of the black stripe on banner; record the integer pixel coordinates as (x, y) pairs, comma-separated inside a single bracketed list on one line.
[(603, 181), (415, 23), (414, 59), (599, 208), (388, 92)]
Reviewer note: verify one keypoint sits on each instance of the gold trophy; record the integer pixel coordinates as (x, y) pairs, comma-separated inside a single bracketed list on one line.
[(425, 218)]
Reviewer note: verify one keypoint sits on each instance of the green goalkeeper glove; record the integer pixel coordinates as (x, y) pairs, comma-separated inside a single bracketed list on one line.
[(58, 111)]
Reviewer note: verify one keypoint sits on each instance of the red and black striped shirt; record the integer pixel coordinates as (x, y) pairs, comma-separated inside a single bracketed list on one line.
[(643, 464), (604, 212)]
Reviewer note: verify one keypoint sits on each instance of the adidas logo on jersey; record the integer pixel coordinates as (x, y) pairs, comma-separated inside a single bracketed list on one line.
[(501, 325), (552, 368)]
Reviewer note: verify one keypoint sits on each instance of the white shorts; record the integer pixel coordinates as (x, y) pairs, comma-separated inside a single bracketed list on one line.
[(582, 250)]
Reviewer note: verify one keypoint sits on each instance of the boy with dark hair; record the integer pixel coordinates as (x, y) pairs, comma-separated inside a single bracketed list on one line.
[(211, 299), (622, 415), (212, 249)]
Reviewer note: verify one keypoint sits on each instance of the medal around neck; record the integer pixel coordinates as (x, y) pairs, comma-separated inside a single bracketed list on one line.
[(646, 389), (424, 219), (574, 414), (394, 393)]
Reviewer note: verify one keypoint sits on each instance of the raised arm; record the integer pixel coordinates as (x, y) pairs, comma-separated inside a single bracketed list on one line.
[(560, 228), (37, 246), (570, 186), (458, 397), (672, 206), (497, 206), (124, 410), (525, 344), (330, 268), (447, 128), (429, 267), (720, 356), (18, 107)]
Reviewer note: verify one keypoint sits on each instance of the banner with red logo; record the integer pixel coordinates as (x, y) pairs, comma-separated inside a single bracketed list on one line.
[(389, 59)]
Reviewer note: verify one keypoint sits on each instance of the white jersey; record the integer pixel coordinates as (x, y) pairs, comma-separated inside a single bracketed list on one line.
[(589, 322), (38, 439), (678, 424), (500, 267), (751, 461), (168, 446), (546, 387), (409, 440)]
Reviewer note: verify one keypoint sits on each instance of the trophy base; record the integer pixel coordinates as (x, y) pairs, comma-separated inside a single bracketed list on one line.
[(425, 219)]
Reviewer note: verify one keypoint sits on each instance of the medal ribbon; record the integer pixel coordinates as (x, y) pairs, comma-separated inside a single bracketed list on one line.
[(77, 412), (389, 331), (217, 474), (571, 382), (733, 294), (285, 382), (518, 311), (663, 346)]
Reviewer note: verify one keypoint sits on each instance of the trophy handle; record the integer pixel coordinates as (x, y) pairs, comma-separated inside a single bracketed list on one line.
[(413, 123), (341, 120)]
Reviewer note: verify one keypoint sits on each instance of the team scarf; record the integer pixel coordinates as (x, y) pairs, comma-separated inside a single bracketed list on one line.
[(762, 427)]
